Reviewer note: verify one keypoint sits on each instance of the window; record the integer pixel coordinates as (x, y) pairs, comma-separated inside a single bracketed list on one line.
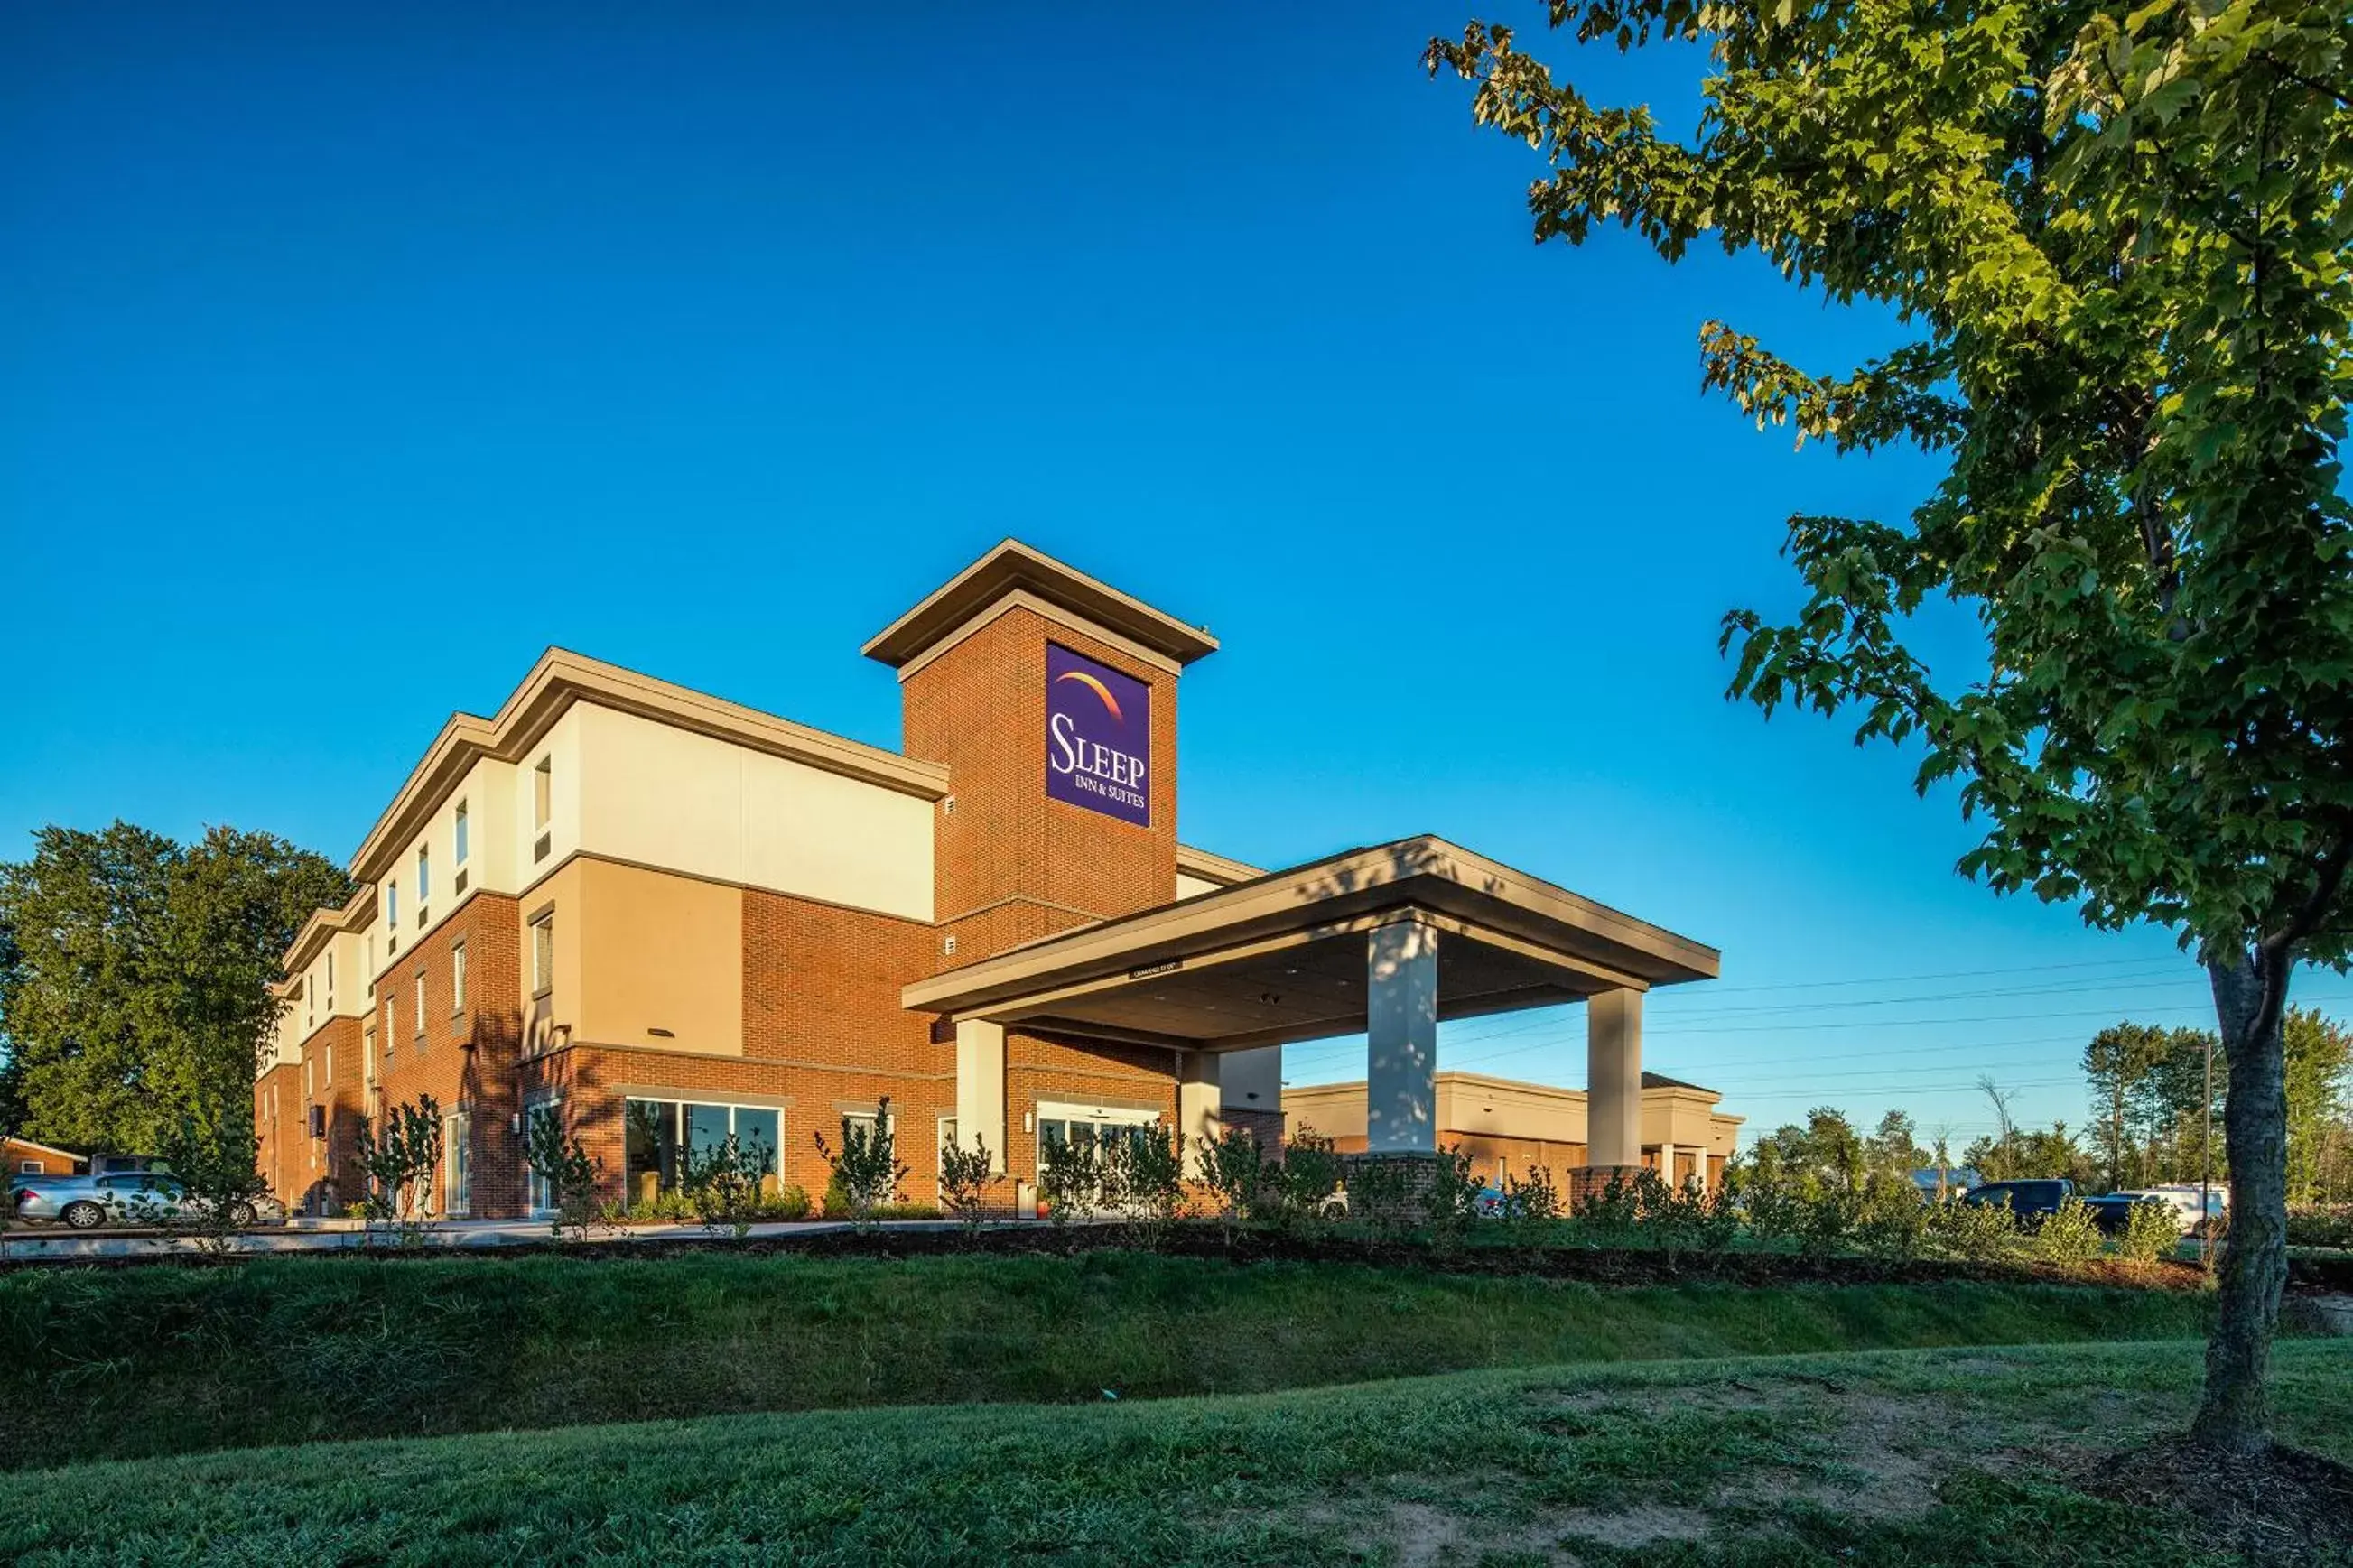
[(421, 1006), (543, 954), (424, 873), (392, 905), (306, 1078), (327, 1071), (330, 978), (458, 979), (457, 836), (367, 1049), (28, 1167), (309, 1004), (661, 1135), (546, 1113), (391, 1024), (457, 1163), (543, 792)]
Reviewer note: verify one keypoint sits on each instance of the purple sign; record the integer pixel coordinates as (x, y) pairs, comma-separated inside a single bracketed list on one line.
[(1097, 737)]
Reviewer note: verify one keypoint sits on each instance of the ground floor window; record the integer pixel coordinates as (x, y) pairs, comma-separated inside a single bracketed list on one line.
[(662, 1135), (457, 1164), (542, 1113), (1089, 1127)]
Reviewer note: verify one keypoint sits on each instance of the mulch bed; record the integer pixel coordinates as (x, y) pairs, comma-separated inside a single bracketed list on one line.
[(1604, 1266), (2283, 1507)]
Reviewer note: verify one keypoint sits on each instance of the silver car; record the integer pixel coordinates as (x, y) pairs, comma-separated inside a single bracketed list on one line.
[(125, 1198)]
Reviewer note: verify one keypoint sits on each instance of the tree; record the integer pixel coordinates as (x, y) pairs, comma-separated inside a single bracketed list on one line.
[(2149, 1101), (2317, 1052), (1894, 1149), (2113, 234), (138, 995)]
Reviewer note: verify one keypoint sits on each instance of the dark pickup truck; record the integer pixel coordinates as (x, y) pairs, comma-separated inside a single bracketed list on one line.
[(2029, 1202)]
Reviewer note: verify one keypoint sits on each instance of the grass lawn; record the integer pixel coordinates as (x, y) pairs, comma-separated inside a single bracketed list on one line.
[(125, 1362), (1919, 1458)]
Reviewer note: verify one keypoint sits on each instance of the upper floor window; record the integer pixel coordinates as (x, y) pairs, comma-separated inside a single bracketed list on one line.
[(392, 905), (458, 978), (457, 834), (543, 789), (543, 954), (424, 874), (330, 979), (391, 1022), (420, 1004)]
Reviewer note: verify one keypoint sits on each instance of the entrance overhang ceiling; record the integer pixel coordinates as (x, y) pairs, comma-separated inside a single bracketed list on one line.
[(1282, 957)]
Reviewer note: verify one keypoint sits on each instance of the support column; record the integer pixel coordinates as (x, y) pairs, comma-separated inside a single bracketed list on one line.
[(1667, 1162), (1401, 1039), (980, 1088), (1613, 1081), (1200, 1104)]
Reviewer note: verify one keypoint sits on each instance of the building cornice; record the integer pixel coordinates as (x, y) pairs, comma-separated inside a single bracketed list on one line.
[(1013, 567)]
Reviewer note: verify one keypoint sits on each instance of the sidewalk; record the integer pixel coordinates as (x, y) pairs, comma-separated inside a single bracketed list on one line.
[(44, 1245)]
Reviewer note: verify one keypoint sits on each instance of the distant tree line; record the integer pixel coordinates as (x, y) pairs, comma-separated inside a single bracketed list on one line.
[(134, 976), (2149, 1122)]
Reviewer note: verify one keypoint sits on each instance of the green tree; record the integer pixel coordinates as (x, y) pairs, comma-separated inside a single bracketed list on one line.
[(2114, 235), (138, 996), (1894, 1149), (2149, 1091), (2318, 1051)]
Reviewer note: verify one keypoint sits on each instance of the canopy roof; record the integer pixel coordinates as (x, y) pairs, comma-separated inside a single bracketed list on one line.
[(1282, 957)]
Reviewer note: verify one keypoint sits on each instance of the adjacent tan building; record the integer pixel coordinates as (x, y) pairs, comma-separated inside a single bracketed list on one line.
[(1508, 1127), (662, 918)]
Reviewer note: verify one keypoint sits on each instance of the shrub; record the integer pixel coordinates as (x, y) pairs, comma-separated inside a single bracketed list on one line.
[(1890, 1219), (2321, 1226), (1612, 1212), (966, 1176), (1234, 1169), (1144, 1180), (398, 1157), (1452, 1201), (1975, 1233), (2069, 1235), (1532, 1203), (867, 1171), (562, 1162), (1827, 1217), (723, 1181), (2152, 1230), (1305, 1184), (1681, 1219), (1071, 1180), (214, 1162), (1770, 1208)]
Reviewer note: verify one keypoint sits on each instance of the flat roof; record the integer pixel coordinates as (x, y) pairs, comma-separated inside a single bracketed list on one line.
[(1282, 957), (1013, 566)]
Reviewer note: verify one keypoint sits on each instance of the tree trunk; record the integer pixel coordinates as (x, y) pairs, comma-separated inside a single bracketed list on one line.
[(2250, 1000)]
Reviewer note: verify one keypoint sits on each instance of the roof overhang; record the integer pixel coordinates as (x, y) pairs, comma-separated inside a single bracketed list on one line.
[(1013, 567), (1282, 957)]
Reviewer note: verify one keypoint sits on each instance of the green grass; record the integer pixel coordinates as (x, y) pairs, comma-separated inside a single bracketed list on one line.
[(1927, 1459), (124, 1362)]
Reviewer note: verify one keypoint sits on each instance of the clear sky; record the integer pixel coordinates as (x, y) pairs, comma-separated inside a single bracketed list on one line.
[(347, 361)]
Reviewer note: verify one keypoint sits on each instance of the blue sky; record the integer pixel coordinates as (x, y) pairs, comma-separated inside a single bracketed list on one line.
[(347, 361)]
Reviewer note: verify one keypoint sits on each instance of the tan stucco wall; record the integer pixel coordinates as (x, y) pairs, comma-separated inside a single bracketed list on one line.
[(1251, 1080), (1190, 887), (667, 798), (1472, 1106), (660, 951)]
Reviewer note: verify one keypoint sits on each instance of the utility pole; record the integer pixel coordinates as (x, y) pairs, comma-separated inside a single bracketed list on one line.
[(2206, 1169)]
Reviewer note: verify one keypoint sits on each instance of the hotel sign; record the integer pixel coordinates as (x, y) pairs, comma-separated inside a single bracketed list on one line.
[(1097, 737)]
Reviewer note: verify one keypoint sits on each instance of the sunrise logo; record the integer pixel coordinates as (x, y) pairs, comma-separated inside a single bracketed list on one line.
[(1099, 689)]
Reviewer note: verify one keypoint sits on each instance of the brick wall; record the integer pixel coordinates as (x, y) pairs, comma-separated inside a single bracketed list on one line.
[(980, 708), (466, 1056)]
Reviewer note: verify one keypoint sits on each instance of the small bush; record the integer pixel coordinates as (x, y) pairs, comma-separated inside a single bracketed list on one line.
[(2070, 1236), (723, 1182), (966, 1176), (2321, 1226), (1234, 1169), (866, 1171), (1144, 1180), (1531, 1202), (2152, 1230), (564, 1162), (1973, 1232), (1612, 1213), (1305, 1184), (1069, 1180), (1892, 1221)]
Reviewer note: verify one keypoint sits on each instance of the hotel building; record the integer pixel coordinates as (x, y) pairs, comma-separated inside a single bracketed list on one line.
[(660, 918)]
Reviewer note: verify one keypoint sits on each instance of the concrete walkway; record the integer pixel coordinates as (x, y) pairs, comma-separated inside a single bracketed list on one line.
[(47, 1244)]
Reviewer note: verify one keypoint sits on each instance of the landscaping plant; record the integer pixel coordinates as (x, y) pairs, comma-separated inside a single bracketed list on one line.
[(1069, 1180), (966, 1176), (213, 1158), (724, 1180), (866, 1172), (397, 1156), (2152, 1230), (571, 1173), (1234, 1169), (2069, 1237), (1144, 1180)]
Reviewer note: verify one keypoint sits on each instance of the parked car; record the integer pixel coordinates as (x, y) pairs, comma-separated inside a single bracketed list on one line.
[(1489, 1203), (2112, 1212), (2031, 1202), (2184, 1198), (125, 1198)]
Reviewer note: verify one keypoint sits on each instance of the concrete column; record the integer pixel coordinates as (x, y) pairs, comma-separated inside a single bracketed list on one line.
[(980, 1088), (1667, 1163), (1401, 1039), (1201, 1104), (1613, 1078)]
